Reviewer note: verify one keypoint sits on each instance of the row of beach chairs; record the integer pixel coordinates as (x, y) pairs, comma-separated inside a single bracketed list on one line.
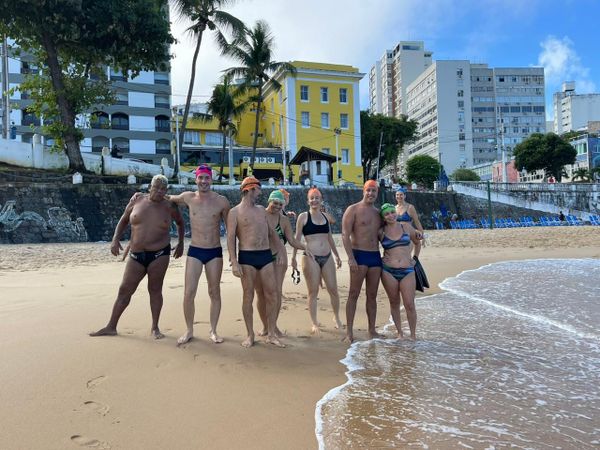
[(525, 221)]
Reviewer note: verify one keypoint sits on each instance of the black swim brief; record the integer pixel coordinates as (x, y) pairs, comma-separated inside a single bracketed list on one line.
[(146, 258), (204, 255), (255, 258)]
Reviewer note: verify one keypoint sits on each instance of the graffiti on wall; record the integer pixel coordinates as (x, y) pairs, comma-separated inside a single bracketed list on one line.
[(59, 220)]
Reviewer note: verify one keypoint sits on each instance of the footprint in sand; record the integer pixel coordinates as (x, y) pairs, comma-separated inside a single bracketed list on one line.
[(96, 407), (83, 441), (91, 384)]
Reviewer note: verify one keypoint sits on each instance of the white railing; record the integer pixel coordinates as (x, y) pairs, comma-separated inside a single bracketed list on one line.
[(529, 187)]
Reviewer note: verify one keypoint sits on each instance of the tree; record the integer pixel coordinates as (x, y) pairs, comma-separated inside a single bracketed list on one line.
[(255, 52), (224, 105), (71, 39), (396, 133), (422, 169), (204, 14), (583, 174), (464, 175), (547, 151)]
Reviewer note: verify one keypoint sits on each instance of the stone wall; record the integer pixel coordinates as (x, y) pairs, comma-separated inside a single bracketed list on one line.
[(61, 212)]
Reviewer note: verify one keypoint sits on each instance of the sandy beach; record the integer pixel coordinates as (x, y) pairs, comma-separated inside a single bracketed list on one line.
[(61, 389)]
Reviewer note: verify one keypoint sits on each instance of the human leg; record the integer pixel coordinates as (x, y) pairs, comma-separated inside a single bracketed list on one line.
[(133, 274), (193, 270), (156, 275), (357, 277), (373, 277), (407, 289), (328, 275), (312, 275), (249, 274), (280, 270), (267, 275), (261, 306), (214, 269), (391, 286)]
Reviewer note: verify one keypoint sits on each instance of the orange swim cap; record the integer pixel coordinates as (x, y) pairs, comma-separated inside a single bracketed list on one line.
[(285, 193), (370, 184), (314, 191), (249, 183)]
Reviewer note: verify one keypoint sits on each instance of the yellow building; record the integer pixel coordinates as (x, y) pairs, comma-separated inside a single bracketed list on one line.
[(317, 107)]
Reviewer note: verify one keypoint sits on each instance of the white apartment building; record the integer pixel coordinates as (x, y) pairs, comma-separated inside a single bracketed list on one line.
[(439, 100), (469, 113), (573, 111), (138, 123), (390, 76)]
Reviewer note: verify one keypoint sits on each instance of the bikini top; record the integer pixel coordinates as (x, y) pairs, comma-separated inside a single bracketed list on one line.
[(310, 228), (402, 241), (404, 217), (280, 232)]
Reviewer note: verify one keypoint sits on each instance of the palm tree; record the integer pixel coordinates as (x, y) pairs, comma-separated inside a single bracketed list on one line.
[(205, 14), (254, 52), (224, 105), (582, 174)]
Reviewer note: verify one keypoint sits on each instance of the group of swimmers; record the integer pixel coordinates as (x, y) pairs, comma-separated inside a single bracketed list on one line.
[(256, 240)]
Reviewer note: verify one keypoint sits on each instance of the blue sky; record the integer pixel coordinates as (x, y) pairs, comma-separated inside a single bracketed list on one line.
[(561, 35)]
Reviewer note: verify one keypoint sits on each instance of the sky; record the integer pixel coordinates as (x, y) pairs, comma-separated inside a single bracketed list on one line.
[(563, 36)]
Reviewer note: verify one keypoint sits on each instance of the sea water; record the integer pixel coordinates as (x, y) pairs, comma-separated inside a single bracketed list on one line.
[(507, 357)]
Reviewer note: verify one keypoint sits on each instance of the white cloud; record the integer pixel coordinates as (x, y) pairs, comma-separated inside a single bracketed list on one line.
[(562, 63)]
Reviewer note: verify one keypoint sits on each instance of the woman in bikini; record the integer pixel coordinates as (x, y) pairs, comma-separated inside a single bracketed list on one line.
[(314, 226), (407, 213), (398, 274), (282, 226)]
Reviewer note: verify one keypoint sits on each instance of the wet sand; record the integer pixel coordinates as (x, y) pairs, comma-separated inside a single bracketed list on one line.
[(61, 389)]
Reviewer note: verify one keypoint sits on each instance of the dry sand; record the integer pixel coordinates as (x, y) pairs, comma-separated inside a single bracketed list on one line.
[(61, 389)]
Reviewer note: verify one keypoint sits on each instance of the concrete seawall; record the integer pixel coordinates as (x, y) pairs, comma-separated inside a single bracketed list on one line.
[(60, 212)]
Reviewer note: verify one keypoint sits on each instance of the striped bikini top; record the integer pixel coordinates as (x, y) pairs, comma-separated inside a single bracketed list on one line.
[(402, 241)]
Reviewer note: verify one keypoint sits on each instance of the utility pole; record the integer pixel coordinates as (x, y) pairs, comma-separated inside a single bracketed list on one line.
[(231, 177), (176, 165), (503, 152), (5, 102), (337, 132)]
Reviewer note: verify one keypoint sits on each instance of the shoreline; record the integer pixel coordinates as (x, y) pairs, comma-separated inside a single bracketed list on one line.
[(133, 392)]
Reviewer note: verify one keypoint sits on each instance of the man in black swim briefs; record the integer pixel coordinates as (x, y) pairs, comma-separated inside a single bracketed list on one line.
[(206, 210), (150, 217), (248, 224)]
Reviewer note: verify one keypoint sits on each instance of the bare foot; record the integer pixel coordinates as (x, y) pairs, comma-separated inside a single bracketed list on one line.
[(263, 332), (400, 335), (248, 342), (105, 332), (375, 335), (156, 334), (349, 339), (275, 341), (279, 333), (215, 338), (338, 325), (187, 337), (315, 330)]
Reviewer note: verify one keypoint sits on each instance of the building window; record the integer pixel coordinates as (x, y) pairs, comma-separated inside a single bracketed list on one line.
[(99, 120), (460, 93), (325, 150), (304, 93), (120, 121), (324, 95), (345, 156), (461, 136), (461, 103), (305, 115), (122, 98), (122, 144), (161, 78), (324, 120), (344, 121), (343, 95), (213, 139), (163, 147), (117, 75), (28, 67), (99, 142), (191, 137), (162, 123), (161, 101)]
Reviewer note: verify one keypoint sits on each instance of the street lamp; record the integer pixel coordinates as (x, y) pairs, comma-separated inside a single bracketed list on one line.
[(337, 132)]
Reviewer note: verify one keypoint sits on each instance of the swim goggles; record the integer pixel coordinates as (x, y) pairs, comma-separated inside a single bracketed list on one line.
[(296, 276)]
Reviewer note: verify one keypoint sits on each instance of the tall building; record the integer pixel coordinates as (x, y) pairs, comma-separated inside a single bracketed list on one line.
[(391, 75), (138, 123), (470, 114), (573, 111)]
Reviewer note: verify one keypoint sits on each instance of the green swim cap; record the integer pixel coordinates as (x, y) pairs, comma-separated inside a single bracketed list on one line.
[(385, 208), (277, 195)]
